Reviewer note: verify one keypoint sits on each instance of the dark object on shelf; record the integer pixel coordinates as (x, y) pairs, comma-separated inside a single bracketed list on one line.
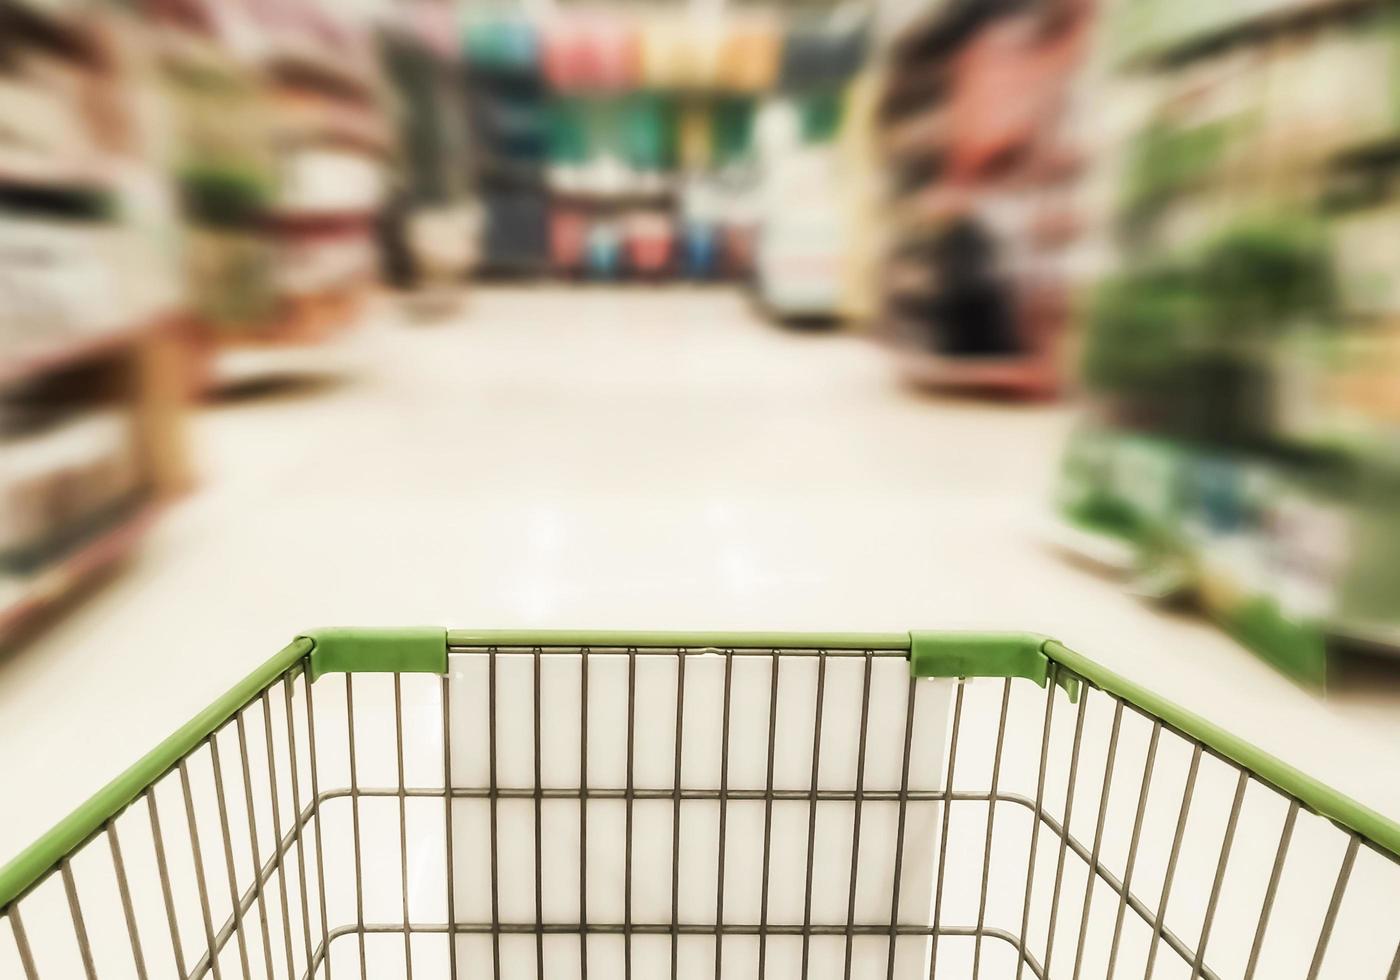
[(395, 256), (821, 58), (972, 315), (516, 236), (432, 107)]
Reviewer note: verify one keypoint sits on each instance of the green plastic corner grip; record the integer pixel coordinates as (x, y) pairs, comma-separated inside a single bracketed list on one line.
[(956, 655), (421, 650)]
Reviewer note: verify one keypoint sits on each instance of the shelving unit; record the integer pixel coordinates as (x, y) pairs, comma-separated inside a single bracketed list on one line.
[(282, 144), (976, 121), (1241, 357), (92, 374), (25, 602), (622, 146)]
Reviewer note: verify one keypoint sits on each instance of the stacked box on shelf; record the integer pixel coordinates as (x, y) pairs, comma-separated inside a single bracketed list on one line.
[(1251, 324)]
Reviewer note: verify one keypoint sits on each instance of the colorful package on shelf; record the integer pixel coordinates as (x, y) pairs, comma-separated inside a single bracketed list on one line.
[(732, 129), (650, 241), (1010, 83), (738, 248), (604, 250), (680, 53), (511, 126), (694, 136), (699, 250), (568, 240), (595, 53), (502, 45), (647, 131), (749, 55)]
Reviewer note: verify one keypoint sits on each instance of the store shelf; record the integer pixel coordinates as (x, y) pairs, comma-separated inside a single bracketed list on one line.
[(54, 26), (42, 172), (917, 134), (74, 351), (23, 601), (320, 223), (1169, 48), (296, 61), (660, 197), (1025, 376), (343, 125)]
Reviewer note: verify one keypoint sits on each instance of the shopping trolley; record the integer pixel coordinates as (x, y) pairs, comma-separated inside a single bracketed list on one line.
[(433, 804)]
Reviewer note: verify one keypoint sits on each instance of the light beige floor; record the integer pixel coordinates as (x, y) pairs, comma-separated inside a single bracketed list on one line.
[(591, 458)]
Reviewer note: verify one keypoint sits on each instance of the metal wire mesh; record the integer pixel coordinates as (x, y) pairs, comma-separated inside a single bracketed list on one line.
[(723, 814)]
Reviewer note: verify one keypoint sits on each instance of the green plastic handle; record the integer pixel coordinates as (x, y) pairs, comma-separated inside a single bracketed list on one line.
[(415, 650)]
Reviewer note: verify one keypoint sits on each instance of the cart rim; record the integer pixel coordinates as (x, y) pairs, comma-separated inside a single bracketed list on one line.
[(931, 654)]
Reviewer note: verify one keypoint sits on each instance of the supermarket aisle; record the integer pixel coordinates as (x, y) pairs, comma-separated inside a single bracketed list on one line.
[(590, 458)]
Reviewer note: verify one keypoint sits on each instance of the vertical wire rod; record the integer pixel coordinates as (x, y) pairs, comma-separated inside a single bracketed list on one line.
[(26, 955), (314, 767), (235, 921), (943, 833), (253, 842), (768, 819), (163, 872), (1131, 865), (298, 828), (676, 816), (539, 820), (1334, 906), (1199, 964), (1064, 841), (1160, 919), (627, 830), (1090, 881), (1050, 683), (1285, 838), (856, 814), (403, 824), (199, 881), (355, 824), (910, 699), (75, 912), (991, 828), (723, 810), (450, 870), (138, 958), (812, 813), (495, 851)]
